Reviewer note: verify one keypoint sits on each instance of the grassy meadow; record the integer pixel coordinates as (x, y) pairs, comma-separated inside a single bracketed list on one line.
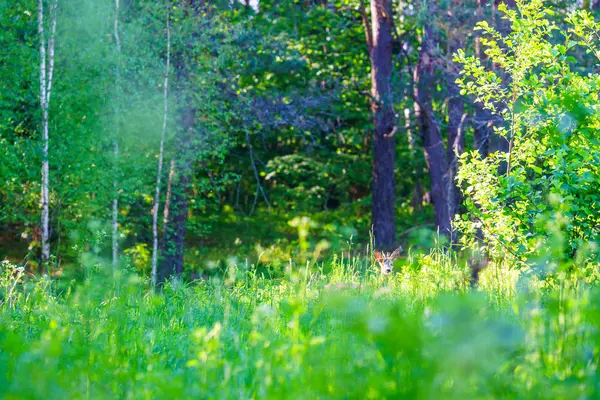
[(421, 333)]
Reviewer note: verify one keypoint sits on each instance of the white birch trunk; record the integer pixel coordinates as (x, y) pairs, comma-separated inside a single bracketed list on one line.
[(46, 77), (115, 214), (161, 154), (115, 202)]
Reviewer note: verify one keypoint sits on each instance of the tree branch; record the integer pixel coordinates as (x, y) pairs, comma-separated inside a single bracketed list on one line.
[(367, 25)]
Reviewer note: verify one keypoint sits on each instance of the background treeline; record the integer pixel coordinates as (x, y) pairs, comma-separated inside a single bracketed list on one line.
[(283, 118)]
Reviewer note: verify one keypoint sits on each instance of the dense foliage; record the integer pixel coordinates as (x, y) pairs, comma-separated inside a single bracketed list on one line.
[(211, 201), (421, 334), (547, 182), (279, 94)]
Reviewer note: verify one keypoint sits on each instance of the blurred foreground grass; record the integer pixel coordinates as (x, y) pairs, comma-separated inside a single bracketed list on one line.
[(421, 334)]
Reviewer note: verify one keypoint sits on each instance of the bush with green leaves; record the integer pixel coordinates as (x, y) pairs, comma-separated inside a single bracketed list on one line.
[(548, 180)]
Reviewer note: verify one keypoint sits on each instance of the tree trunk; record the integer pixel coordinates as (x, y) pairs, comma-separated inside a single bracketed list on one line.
[(482, 130), (161, 155), (171, 262), (456, 146), (456, 119), (433, 143), (115, 209), (180, 176), (115, 202), (168, 197), (498, 143), (382, 106), (483, 127), (46, 77), (417, 198)]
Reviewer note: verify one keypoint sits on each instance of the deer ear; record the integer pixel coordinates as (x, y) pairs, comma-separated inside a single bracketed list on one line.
[(378, 255), (396, 253)]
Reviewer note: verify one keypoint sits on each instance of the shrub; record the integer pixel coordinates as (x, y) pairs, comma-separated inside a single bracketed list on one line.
[(548, 180)]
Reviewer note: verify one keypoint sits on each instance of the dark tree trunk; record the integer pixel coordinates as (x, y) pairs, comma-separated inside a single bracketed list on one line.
[(456, 146), (176, 209), (498, 143), (417, 196), (433, 143), (173, 243), (384, 187), (456, 113), (483, 120), (482, 130), (509, 3)]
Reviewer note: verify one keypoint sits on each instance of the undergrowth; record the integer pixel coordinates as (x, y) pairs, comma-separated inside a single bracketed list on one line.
[(421, 333)]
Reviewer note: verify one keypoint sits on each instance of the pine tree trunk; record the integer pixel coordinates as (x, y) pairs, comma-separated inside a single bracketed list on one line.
[(482, 130), (382, 106), (417, 198), (456, 146), (483, 121), (498, 143), (456, 139), (433, 143)]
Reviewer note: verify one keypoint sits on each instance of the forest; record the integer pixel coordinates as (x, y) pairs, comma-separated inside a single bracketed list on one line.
[(258, 199)]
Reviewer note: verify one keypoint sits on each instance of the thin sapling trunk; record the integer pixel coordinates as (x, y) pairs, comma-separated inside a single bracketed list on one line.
[(161, 156)]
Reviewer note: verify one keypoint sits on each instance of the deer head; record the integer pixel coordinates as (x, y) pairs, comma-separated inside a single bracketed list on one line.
[(386, 260)]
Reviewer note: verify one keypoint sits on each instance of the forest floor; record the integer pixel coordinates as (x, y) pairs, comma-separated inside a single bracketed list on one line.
[(422, 332)]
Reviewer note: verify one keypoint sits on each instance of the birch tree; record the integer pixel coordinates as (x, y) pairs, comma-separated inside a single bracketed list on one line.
[(115, 202), (161, 153), (46, 78)]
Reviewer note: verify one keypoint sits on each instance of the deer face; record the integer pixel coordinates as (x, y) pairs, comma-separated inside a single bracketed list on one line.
[(386, 260)]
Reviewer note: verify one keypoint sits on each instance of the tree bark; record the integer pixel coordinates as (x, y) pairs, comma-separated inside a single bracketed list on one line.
[(417, 198), (498, 143), (161, 153), (46, 78), (115, 201), (180, 176), (382, 107), (482, 130), (115, 210), (456, 119), (172, 259), (484, 138), (456, 146), (433, 143), (168, 197)]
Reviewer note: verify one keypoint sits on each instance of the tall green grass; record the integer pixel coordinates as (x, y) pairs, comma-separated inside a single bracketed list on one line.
[(422, 333)]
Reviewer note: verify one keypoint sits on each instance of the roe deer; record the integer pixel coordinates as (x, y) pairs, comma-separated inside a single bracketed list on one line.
[(477, 265), (386, 260)]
